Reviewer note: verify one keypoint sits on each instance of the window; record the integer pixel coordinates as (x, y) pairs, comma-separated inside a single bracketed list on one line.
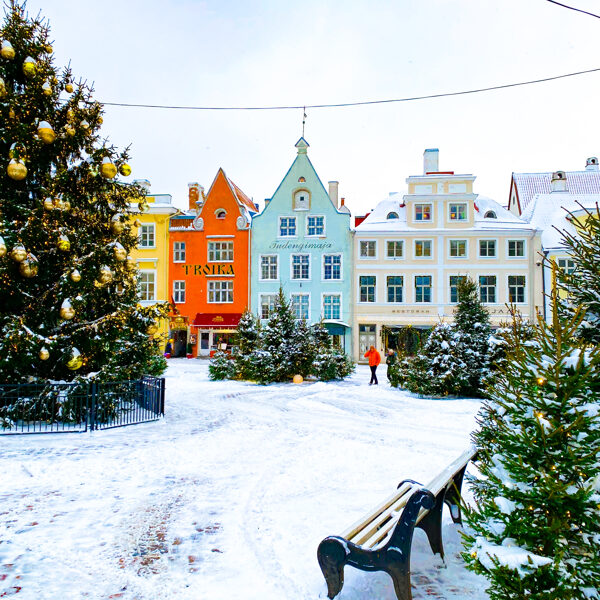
[(301, 200), (287, 226), (566, 264), (422, 212), (392, 215), (423, 248), (147, 286), (147, 235), (395, 249), (315, 226), (267, 304), (178, 251), (516, 248), (220, 292), (220, 214), (300, 266), (300, 303), (269, 266), (490, 214), (487, 248), (332, 307), (220, 251), (516, 288), (366, 284), (395, 283), (423, 288), (179, 292), (487, 288), (458, 212), (458, 248), (454, 281), (368, 249), (332, 266)]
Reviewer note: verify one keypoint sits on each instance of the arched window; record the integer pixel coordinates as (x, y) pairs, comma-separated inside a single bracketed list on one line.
[(393, 215), (490, 214), (220, 213)]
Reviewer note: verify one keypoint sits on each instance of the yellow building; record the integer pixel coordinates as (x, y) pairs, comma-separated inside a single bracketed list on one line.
[(152, 253)]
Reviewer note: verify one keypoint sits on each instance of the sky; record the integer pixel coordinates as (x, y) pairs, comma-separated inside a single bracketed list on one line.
[(277, 52)]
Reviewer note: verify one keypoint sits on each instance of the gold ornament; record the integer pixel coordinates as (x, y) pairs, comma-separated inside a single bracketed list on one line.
[(108, 169), (66, 205), (48, 204), (85, 124), (11, 114), (18, 253), (125, 170), (120, 252), (2, 247), (16, 170), (69, 90), (106, 275), (29, 267), (116, 226), (75, 276), (61, 204), (75, 361), (151, 329), (29, 67), (298, 379), (71, 131), (49, 49), (131, 263), (47, 89), (45, 132), (63, 244), (44, 354), (66, 311), (7, 51), (70, 114), (2, 88), (100, 120)]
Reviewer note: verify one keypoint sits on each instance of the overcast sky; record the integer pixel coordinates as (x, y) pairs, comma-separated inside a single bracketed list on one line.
[(245, 53)]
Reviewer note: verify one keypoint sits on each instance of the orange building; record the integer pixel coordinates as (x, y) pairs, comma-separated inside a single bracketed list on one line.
[(209, 248)]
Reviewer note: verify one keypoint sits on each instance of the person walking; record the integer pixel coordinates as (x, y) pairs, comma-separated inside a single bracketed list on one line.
[(374, 360), (390, 361)]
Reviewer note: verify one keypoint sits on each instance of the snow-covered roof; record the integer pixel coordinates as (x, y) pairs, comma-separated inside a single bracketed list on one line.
[(529, 185), (549, 211), (378, 219)]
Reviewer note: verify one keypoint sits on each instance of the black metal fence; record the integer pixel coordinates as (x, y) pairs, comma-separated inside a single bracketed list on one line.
[(65, 407)]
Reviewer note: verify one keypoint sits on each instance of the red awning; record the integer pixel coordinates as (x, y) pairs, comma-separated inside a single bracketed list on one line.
[(217, 320)]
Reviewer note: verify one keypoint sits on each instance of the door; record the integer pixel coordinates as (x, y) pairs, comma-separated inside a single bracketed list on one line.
[(366, 338)]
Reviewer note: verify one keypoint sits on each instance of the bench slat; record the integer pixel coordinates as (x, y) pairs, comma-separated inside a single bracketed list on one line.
[(440, 480)]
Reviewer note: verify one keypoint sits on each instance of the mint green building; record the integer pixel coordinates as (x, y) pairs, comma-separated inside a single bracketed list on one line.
[(302, 242)]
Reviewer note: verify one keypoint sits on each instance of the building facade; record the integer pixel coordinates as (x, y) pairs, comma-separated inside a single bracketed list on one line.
[(208, 266), (412, 250), (301, 242)]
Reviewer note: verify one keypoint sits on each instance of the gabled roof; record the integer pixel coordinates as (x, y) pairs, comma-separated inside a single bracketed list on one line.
[(244, 202), (529, 184)]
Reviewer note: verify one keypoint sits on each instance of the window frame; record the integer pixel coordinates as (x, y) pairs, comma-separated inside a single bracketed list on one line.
[(395, 242), (331, 295), (516, 256), (261, 296), (143, 228), (450, 287), (387, 289), (212, 282), (508, 286), (430, 288), (152, 272), (465, 205), (420, 205), (177, 252), (360, 255), (260, 267), (179, 293), (423, 257), (465, 255), (279, 229), (495, 286), (495, 240), (301, 254), (210, 250), (315, 235), (300, 295), (332, 254), (374, 285)]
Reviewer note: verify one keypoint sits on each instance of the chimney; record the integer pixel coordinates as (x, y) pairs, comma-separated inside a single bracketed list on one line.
[(591, 164), (194, 195), (343, 202), (333, 192), (431, 161), (559, 181), (267, 200)]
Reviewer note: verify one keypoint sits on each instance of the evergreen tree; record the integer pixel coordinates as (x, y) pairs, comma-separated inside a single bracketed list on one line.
[(582, 287), (221, 366), (248, 338), (68, 300), (535, 529)]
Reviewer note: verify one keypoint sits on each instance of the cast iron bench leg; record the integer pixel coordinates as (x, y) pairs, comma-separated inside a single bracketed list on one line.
[(431, 524), (452, 497)]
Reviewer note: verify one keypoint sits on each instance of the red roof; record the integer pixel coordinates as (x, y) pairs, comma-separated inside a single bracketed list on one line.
[(242, 198), (530, 184), (217, 320)]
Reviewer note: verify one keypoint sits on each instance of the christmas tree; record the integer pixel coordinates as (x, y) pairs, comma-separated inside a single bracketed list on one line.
[(535, 529), (68, 300)]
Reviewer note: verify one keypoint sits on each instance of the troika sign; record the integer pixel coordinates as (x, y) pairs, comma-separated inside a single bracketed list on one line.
[(208, 269)]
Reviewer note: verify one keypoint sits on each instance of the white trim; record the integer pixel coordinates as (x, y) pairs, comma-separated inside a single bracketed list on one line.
[(414, 248), (301, 279), (220, 260), (155, 273), (414, 211), (403, 301), (394, 258), (184, 251), (341, 255), (218, 210), (260, 297), (260, 277), (287, 237), (292, 294), (511, 258), (219, 236), (184, 291), (496, 294), (448, 249), (208, 300), (316, 235), (414, 283), (487, 239), (525, 301), (450, 205), (142, 226), (358, 300), (448, 275), (331, 319), (360, 256)]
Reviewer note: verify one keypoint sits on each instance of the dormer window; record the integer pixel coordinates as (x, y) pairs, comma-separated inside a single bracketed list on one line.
[(392, 215), (302, 200), (422, 212), (220, 213), (490, 214)]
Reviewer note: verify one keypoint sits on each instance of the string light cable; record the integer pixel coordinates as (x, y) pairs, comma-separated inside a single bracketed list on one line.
[(360, 103), (585, 12)]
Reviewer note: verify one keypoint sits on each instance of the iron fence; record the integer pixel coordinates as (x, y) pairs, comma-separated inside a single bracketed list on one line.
[(76, 407)]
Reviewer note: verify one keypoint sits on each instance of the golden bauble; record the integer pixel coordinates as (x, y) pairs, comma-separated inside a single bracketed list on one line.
[(125, 170), (16, 170), (75, 361), (69, 89), (11, 114), (85, 124), (75, 276), (44, 354), (48, 204), (7, 50), (131, 263), (66, 205), (298, 379), (2, 247), (29, 267), (2, 88), (49, 49), (120, 252), (105, 276), (29, 67), (100, 120), (63, 244), (71, 131), (151, 329), (70, 114), (66, 312), (137, 223), (46, 133), (108, 170), (18, 253), (116, 226), (47, 89)]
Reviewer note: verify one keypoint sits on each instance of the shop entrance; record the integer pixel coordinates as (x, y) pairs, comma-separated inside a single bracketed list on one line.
[(179, 337), (366, 339)]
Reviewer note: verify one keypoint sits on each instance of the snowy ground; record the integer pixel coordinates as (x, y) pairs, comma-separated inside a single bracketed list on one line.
[(228, 496)]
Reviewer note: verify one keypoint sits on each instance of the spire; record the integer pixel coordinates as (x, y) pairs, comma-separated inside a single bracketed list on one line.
[(302, 146)]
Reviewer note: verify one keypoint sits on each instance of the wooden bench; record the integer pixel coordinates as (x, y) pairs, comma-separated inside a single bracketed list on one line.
[(381, 541)]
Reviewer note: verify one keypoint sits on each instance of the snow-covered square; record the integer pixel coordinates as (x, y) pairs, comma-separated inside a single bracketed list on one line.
[(229, 495)]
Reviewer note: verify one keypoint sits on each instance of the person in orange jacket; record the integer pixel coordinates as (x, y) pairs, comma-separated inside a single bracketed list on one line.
[(374, 359)]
